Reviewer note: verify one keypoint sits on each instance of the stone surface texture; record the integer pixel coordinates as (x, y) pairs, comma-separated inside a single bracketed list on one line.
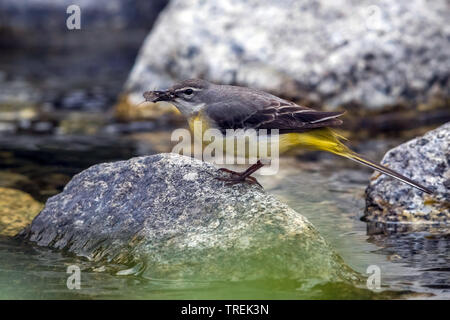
[(168, 216), (426, 160), (372, 54)]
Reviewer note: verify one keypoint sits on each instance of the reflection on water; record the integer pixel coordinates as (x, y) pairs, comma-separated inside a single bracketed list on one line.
[(328, 191), (38, 273), (411, 258)]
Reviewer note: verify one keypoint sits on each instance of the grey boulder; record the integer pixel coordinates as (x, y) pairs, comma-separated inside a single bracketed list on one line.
[(426, 160), (372, 54), (169, 217)]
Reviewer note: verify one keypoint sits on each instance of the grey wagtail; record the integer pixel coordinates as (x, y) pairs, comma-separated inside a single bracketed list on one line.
[(232, 107)]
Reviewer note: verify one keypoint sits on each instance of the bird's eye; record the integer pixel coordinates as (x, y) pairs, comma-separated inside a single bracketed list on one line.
[(188, 92)]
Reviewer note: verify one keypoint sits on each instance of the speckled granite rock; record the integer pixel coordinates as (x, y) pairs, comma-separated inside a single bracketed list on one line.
[(169, 217), (426, 160), (374, 54)]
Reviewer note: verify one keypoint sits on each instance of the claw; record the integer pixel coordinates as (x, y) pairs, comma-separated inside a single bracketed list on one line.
[(238, 177)]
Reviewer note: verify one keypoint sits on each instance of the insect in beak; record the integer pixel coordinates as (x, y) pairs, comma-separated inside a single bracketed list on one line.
[(155, 96)]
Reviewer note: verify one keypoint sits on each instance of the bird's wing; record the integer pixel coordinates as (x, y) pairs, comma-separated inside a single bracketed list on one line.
[(269, 112)]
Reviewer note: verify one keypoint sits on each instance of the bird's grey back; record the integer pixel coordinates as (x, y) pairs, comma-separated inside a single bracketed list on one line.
[(234, 107)]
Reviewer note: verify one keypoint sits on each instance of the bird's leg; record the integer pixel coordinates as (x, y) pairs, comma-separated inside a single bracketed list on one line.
[(245, 176)]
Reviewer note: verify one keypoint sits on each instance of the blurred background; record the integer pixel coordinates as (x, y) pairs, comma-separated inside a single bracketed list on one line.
[(58, 87), (68, 97)]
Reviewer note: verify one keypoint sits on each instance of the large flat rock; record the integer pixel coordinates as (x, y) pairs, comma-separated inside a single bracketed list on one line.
[(170, 217)]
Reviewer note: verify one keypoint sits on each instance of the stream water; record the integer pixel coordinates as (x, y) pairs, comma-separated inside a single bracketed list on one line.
[(44, 141), (327, 190)]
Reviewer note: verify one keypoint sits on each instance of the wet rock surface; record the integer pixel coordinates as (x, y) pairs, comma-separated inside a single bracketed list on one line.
[(169, 217), (426, 160), (334, 53)]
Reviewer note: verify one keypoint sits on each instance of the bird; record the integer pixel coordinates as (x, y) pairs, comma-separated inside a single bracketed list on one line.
[(226, 107)]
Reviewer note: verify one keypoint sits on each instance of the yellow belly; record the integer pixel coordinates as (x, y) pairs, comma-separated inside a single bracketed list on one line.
[(240, 144), (267, 146)]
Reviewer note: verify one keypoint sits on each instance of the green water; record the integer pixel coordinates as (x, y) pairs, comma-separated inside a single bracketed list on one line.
[(416, 263), (328, 191)]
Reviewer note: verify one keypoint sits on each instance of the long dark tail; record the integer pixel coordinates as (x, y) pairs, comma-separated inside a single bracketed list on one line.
[(357, 158), (328, 140)]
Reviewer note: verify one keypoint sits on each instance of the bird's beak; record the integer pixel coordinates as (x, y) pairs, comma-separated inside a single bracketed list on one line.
[(155, 96)]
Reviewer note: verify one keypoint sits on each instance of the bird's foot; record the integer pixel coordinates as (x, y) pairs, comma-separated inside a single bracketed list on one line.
[(239, 177)]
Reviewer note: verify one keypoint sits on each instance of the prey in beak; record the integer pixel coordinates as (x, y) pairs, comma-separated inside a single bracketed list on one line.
[(155, 96)]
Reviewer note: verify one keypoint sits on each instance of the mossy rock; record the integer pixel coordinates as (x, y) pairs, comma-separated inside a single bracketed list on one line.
[(17, 209)]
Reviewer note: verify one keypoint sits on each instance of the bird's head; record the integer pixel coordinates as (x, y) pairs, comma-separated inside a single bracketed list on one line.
[(189, 96)]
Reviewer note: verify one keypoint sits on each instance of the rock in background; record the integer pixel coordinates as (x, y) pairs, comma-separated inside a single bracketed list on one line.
[(17, 210), (426, 160), (368, 54), (169, 217)]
